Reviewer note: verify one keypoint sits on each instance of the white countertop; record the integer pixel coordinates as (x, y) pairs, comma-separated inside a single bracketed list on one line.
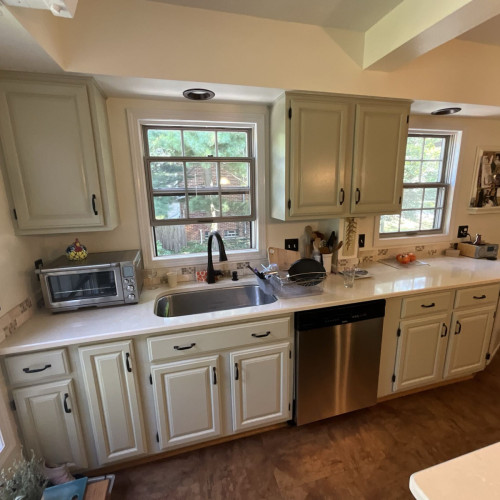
[(474, 475), (47, 330)]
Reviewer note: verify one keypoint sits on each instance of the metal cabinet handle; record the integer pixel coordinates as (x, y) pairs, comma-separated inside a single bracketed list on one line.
[(259, 336), (479, 298), (184, 347), (432, 304), (236, 372), (342, 196), (445, 330), (358, 196), (36, 370), (127, 362), (65, 403), (459, 328), (214, 373), (94, 198)]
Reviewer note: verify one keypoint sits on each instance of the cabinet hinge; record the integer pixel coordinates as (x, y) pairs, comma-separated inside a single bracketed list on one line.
[(13, 405), (399, 332), (488, 355), (394, 377), (289, 204), (15, 213), (151, 379), (157, 438), (290, 112)]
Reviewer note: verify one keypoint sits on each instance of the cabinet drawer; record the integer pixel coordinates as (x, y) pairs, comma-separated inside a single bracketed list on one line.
[(477, 296), (37, 366), (430, 303), (199, 341)]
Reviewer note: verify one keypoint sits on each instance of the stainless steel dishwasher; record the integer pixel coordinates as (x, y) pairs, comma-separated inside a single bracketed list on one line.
[(337, 353)]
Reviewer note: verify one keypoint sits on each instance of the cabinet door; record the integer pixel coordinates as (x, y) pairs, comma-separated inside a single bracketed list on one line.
[(469, 340), (50, 424), (186, 395), (47, 139), (379, 154), (421, 351), (113, 400), (321, 145), (260, 386)]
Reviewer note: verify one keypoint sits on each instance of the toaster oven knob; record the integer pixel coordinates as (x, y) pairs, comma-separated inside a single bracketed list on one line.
[(130, 288), (131, 296), (125, 281)]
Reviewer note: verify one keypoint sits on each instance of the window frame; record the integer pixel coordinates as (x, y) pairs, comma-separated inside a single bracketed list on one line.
[(253, 116), (449, 175)]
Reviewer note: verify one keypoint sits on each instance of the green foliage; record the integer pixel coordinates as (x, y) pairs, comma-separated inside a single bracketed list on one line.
[(24, 479)]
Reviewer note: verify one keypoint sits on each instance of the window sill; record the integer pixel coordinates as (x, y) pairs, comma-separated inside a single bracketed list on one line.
[(399, 241)]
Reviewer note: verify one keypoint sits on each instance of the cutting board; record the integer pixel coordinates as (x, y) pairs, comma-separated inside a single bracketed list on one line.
[(283, 258)]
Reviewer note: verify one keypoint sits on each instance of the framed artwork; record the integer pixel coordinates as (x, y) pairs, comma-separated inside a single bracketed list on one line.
[(485, 194)]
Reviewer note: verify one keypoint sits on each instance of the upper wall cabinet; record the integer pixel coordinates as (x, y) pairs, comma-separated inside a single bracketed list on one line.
[(56, 154), (336, 156)]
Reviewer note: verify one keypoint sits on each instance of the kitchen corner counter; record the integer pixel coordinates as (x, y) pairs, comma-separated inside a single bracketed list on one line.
[(46, 330)]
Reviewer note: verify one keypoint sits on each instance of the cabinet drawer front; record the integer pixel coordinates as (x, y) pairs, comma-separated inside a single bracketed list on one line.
[(38, 366), (431, 303), (176, 345), (477, 296)]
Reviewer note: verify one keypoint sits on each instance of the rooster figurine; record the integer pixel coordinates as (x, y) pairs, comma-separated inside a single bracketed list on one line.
[(76, 251)]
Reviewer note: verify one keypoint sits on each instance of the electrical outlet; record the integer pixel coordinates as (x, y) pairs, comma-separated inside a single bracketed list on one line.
[(361, 241), (292, 244), (463, 231)]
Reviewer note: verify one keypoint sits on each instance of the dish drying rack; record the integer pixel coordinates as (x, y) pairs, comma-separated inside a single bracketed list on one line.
[(281, 284)]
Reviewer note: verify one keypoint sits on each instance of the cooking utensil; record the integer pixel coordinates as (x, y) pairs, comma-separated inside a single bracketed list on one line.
[(307, 272)]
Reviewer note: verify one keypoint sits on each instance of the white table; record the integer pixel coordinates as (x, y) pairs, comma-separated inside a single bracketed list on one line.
[(475, 475)]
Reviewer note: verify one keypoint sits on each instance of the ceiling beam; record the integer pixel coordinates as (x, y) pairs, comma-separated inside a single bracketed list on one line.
[(414, 28)]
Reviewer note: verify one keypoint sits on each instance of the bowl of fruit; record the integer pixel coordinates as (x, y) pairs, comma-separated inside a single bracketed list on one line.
[(406, 258)]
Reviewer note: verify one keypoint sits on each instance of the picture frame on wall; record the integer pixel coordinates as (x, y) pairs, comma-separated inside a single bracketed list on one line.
[(485, 194)]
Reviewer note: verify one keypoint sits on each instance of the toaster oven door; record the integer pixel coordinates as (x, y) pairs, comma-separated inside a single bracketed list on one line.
[(86, 287)]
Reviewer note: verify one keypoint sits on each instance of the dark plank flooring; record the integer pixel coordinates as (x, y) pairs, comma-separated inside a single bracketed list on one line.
[(367, 454)]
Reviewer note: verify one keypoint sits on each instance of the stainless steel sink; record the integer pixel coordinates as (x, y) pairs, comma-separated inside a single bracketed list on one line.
[(202, 301)]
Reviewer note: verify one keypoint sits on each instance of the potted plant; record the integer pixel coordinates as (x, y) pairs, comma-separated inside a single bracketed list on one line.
[(25, 480)]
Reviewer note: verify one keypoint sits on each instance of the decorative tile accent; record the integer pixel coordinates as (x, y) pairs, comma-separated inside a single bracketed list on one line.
[(14, 318)]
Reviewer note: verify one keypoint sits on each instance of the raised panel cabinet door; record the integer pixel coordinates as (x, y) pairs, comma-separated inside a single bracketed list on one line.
[(421, 352), (50, 423), (47, 139), (320, 157), (186, 395), (260, 386), (469, 341), (113, 397), (379, 153)]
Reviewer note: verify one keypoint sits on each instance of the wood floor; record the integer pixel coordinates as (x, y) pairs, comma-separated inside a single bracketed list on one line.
[(368, 454)]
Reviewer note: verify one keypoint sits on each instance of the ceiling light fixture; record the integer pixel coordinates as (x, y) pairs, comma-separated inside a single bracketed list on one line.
[(198, 94), (446, 111)]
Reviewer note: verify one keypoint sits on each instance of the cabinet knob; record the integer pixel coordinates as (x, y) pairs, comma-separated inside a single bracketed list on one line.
[(459, 328), (445, 330), (358, 196), (65, 403), (94, 199), (341, 196)]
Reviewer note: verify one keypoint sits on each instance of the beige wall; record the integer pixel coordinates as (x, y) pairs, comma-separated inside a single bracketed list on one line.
[(157, 40)]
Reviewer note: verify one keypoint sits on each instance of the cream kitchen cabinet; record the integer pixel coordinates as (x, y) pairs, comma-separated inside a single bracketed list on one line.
[(113, 398), (336, 156), (220, 381), (260, 388), (50, 423), (432, 347), (57, 156), (187, 406)]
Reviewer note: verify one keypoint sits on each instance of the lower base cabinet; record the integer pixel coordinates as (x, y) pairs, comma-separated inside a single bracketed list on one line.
[(260, 386), (50, 423), (113, 399), (187, 402)]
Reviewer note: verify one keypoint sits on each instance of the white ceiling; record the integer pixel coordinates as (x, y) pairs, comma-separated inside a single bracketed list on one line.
[(353, 15), (20, 52)]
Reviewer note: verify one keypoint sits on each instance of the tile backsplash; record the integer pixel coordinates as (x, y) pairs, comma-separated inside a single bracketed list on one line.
[(13, 319)]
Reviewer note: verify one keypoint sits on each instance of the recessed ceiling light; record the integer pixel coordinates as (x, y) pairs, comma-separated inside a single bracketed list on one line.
[(198, 94), (446, 111)]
